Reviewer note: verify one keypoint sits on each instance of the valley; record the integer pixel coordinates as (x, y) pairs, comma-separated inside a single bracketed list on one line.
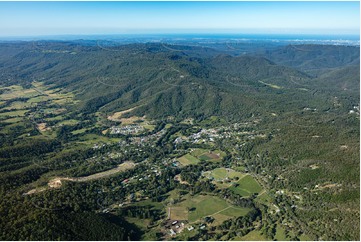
[(154, 141)]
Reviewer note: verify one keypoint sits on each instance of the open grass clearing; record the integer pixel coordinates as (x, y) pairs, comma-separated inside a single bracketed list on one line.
[(207, 155), (131, 120), (141, 223), (149, 202), (57, 181), (69, 122), (79, 131), (65, 101), (117, 115), (122, 167), (246, 186), (178, 213), (91, 139), (197, 152), (201, 206), (264, 198), (280, 233), (16, 113), (223, 173), (188, 160), (16, 91), (304, 237), (56, 118), (12, 120), (149, 127), (17, 105), (254, 235), (37, 99)]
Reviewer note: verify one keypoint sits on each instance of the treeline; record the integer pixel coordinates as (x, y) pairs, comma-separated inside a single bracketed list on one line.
[(29, 148)]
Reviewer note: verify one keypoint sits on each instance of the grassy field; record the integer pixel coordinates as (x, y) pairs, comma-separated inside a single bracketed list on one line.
[(149, 127), (17, 105), (188, 160), (122, 167), (36, 96), (280, 233), (56, 118), (304, 237), (264, 198), (68, 122), (246, 186), (149, 202), (79, 131), (219, 173), (91, 139), (223, 177), (12, 120), (198, 152), (205, 205), (178, 213), (16, 113), (141, 223), (16, 91), (223, 173), (207, 155), (37, 99), (254, 235)]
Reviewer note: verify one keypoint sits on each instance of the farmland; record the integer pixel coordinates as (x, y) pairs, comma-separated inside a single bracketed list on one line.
[(246, 186), (207, 155), (201, 206), (188, 160)]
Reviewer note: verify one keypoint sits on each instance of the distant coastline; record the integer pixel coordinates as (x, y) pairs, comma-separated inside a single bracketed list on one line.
[(346, 39)]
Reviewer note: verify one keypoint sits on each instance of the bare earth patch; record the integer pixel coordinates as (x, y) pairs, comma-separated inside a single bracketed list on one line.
[(178, 213), (313, 167), (131, 120), (179, 179), (42, 127), (57, 181), (116, 116)]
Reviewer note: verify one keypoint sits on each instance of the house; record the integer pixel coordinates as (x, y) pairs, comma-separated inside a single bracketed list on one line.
[(172, 233)]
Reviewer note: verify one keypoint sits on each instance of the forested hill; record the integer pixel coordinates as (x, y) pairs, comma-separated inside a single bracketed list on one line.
[(163, 80), (315, 58)]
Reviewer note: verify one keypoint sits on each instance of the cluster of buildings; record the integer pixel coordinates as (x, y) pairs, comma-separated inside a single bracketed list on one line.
[(145, 139), (129, 129), (176, 227)]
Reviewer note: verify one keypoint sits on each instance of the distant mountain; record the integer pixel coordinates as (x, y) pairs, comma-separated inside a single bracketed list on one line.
[(315, 59), (342, 79)]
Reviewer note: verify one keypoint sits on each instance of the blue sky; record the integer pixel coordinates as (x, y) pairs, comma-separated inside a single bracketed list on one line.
[(59, 18)]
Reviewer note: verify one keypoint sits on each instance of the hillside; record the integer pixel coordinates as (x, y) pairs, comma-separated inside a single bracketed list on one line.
[(315, 59), (161, 81)]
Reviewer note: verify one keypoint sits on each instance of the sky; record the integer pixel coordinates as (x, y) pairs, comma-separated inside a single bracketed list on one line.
[(62, 18)]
